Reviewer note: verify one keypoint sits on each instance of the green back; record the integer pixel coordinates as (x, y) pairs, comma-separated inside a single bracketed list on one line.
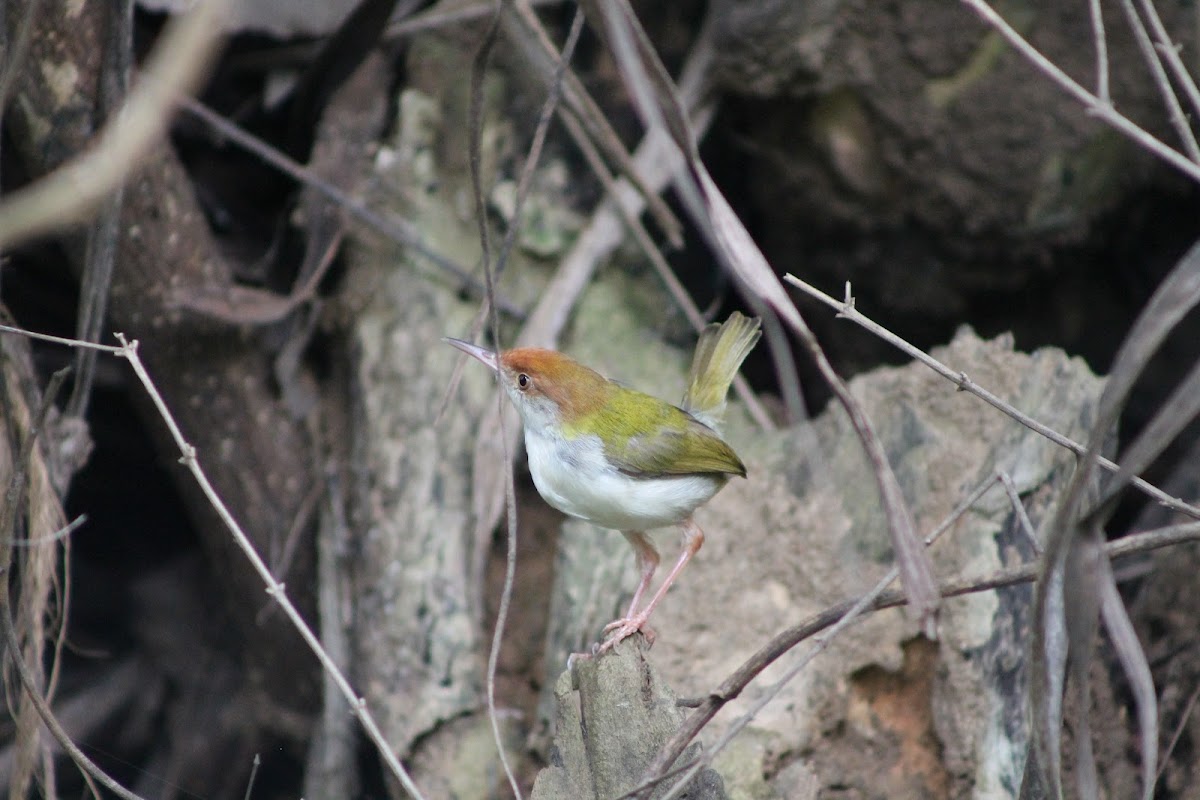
[(681, 445)]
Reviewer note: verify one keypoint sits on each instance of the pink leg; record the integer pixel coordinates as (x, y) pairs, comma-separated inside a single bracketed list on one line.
[(693, 539), (647, 562)]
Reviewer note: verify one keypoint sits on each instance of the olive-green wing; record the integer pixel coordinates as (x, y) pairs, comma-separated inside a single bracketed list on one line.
[(679, 444)]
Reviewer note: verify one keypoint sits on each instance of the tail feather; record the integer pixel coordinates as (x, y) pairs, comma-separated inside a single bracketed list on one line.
[(719, 353)]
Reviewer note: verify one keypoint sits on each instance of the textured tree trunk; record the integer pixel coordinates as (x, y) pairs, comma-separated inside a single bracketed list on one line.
[(215, 378)]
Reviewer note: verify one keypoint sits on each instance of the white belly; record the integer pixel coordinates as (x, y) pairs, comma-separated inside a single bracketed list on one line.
[(574, 478)]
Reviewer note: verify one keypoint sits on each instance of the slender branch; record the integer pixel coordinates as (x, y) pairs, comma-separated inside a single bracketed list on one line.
[(1101, 40), (784, 641), (534, 156), (823, 641), (1095, 106), (46, 337), (1022, 515), (479, 67), (1161, 81), (58, 535), (253, 774), (1170, 52), (14, 497), (275, 589), (51, 722), (397, 230), (847, 310)]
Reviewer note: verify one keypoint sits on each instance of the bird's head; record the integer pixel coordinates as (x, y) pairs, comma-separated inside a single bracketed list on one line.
[(549, 389)]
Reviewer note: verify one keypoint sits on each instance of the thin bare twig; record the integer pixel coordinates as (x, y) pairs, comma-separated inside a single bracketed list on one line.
[(1102, 110), (436, 18), (46, 337), (58, 535), (275, 589), (533, 157), (819, 645), (88, 766), (847, 310), (395, 229), (474, 158), (785, 640), (105, 232), (31, 680), (1170, 51), (1100, 38), (253, 775), (528, 170), (1150, 55), (1022, 515), (1183, 719)]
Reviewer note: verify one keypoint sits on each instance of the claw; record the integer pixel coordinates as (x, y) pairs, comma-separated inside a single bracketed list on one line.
[(621, 629)]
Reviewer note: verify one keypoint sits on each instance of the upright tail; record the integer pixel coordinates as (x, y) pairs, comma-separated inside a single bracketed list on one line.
[(719, 352)]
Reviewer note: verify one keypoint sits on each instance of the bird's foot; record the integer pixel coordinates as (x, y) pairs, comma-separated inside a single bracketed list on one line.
[(621, 629)]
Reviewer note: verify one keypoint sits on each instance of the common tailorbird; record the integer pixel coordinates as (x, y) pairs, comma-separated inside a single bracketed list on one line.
[(622, 459)]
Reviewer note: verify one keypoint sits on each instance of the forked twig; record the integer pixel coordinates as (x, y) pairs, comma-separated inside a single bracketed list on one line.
[(1102, 109), (1150, 55)]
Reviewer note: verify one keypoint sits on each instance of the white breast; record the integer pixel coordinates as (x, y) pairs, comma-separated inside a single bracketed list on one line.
[(573, 477)]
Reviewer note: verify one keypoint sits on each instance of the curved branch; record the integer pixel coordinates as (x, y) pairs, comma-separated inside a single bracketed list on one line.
[(72, 191)]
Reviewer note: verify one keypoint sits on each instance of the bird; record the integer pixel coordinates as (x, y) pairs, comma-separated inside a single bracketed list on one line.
[(622, 459)]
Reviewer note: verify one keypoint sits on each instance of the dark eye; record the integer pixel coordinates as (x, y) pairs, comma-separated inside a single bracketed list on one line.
[(523, 381)]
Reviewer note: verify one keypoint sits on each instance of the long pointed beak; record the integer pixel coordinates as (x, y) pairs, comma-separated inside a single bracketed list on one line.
[(481, 353)]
